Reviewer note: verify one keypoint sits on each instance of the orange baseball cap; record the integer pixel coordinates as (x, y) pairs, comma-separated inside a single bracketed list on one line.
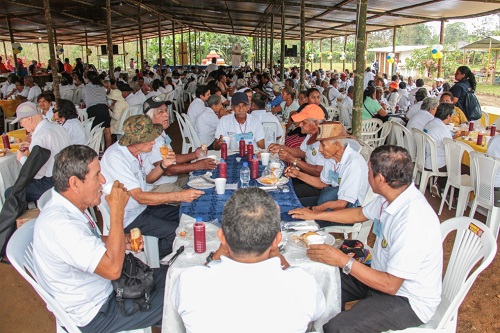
[(312, 111)]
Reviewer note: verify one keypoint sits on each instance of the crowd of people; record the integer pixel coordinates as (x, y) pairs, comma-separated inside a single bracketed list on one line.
[(328, 174)]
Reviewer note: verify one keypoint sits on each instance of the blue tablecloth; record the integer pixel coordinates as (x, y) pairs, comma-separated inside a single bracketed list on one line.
[(210, 205)]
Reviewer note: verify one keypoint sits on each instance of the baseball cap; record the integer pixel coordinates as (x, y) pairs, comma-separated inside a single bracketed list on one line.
[(153, 103), (125, 87), (394, 85), (25, 110), (310, 111), (139, 129), (439, 79), (239, 97)]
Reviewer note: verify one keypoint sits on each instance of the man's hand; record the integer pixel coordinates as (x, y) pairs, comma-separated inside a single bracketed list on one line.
[(169, 159), (319, 208), (286, 156), (205, 164), (20, 154), (190, 195), (274, 148), (200, 152), (292, 171), (302, 214), (118, 198), (327, 254)]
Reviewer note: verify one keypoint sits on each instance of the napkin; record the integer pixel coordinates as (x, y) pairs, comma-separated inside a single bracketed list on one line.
[(233, 187)]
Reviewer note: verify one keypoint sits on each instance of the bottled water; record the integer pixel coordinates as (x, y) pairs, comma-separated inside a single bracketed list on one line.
[(245, 175), (268, 107)]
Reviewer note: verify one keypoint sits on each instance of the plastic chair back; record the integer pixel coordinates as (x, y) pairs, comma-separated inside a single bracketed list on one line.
[(127, 113), (345, 116), (77, 96), (193, 136), (385, 130), (68, 94), (365, 150), (485, 170), (87, 125), (425, 147), (186, 142), (270, 130), (324, 101), (82, 114), (44, 198), (486, 118), (404, 138), (454, 151), (95, 141), (370, 128)]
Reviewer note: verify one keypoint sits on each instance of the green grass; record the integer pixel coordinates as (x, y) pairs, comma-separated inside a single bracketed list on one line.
[(488, 89)]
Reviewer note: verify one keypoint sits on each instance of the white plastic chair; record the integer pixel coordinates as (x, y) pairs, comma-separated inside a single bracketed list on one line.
[(96, 140), (269, 127), (20, 254), (187, 143), (333, 111), (484, 172), (486, 117), (370, 128), (359, 231), (77, 96), (454, 151), (188, 93), (135, 109), (324, 101), (404, 138), (68, 94), (345, 117), (87, 125), (365, 150), (379, 140), (119, 132), (193, 136), (178, 103), (471, 246), (422, 140), (82, 114), (150, 242)]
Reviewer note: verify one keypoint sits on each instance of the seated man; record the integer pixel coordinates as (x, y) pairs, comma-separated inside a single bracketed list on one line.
[(73, 262), (175, 176), (45, 134), (396, 292), (342, 179), (259, 101), (197, 106), (250, 282), (207, 122), (125, 161), (458, 117), (424, 115)]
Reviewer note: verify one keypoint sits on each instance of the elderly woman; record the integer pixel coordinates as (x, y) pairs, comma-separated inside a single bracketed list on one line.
[(44, 102), (118, 106), (206, 123), (307, 157), (65, 114)]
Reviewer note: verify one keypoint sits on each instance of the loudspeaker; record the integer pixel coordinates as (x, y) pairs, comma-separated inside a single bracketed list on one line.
[(291, 52), (104, 49)]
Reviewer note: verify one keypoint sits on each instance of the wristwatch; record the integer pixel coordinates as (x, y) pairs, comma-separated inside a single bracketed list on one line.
[(347, 268), (210, 257), (161, 166), (295, 162)]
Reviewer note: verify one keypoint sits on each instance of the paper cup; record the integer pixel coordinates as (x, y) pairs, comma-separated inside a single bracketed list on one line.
[(315, 239), (227, 139), (214, 157), (265, 158), (238, 159), (220, 185), (106, 189)]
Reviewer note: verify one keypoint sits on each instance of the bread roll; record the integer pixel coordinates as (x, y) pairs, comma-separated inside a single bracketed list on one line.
[(135, 239)]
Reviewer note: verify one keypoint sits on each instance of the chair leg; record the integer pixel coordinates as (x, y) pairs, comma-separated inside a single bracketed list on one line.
[(443, 199), (452, 194), (493, 220), (423, 181), (463, 196), (473, 209)]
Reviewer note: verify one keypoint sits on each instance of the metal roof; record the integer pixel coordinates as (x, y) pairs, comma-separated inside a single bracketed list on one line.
[(491, 42), (324, 18)]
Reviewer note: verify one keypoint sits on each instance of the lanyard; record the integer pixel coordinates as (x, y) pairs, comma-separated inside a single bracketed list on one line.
[(92, 225), (381, 209), (241, 128), (336, 168)]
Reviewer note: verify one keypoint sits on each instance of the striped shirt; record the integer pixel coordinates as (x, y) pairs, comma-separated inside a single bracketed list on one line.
[(93, 94)]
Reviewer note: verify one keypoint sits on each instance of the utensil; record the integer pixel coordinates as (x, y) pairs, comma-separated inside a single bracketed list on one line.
[(208, 179), (179, 251)]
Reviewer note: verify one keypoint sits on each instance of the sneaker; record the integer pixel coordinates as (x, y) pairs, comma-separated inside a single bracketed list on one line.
[(435, 191)]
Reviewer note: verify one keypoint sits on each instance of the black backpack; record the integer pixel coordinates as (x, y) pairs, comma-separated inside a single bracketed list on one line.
[(471, 107)]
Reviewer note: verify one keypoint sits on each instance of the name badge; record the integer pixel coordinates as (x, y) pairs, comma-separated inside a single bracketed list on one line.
[(334, 177), (245, 136), (377, 228), (167, 140)]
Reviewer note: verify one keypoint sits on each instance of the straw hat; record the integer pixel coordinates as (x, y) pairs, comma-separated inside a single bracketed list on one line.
[(115, 95)]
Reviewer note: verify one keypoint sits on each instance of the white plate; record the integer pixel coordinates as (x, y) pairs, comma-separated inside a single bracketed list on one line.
[(281, 181), (185, 232), (200, 184), (329, 239)]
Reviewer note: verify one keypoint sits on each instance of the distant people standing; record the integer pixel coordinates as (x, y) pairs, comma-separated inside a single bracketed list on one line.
[(132, 64), (376, 67), (466, 82), (67, 67), (213, 66)]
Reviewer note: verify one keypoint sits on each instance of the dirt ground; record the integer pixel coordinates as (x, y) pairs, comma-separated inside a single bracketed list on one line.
[(488, 100)]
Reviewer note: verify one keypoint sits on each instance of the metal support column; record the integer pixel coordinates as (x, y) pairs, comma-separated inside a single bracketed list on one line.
[(141, 47), (159, 43), (393, 65), (173, 43), (441, 41), (345, 53), (271, 46)]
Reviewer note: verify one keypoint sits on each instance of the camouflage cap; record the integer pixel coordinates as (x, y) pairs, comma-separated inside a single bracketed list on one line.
[(139, 129)]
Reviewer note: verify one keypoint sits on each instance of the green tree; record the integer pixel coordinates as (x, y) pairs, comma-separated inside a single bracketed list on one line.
[(454, 33), (417, 34)]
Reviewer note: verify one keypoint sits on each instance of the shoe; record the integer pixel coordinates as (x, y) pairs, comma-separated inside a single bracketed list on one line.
[(435, 191)]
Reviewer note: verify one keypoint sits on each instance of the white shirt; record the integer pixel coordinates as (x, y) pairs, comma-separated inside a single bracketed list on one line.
[(50, 136), (153, 93), (196, 108), (368, 77), (76, 132), (313, 156), (285, 110), (494, 150), (333, 94), (155, 156), (393, 98), (414, 109), (211, 67), (135, 99), (66, 253), (348, 103), (268, 117), (251, 130), (33, 93), (205, 125), (419, 120), (349, 175), (437, 130), (24, 93), (257, 297), (404, 100), (118, 163), (409, 229)]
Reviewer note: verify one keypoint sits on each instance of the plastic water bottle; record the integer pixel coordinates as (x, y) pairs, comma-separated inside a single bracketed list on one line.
[(245, 175), (268, 107)]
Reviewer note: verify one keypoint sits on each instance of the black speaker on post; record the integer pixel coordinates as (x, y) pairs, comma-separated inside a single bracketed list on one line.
[(104, 49), (291, 52)]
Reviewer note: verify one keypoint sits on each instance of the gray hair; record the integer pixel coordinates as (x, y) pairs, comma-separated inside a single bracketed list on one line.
[(429, 103), (342, 142), (213, 100), (250, 221), (71, 161), (240, 83)]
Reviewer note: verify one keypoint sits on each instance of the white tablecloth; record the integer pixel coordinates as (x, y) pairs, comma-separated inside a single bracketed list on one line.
[(9, 170), (327, 277)]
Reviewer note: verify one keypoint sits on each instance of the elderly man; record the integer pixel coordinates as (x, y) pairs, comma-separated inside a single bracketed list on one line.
[(73, 262), (174, 177), (396, 292), (426, 114), (259, 101), (34, 90), (420, 95), (333, 93), (267, 85), (197, 106), (248, 256), (342, 179), (277, 98), (240, 125), (45, 134), (127, 161), (207, 122)]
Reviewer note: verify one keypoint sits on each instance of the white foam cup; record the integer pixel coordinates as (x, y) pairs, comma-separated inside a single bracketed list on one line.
[(220, 185), (265, 158), (315, 239)]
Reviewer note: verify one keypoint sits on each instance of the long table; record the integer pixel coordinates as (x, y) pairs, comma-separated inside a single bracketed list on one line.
[(9, 166)]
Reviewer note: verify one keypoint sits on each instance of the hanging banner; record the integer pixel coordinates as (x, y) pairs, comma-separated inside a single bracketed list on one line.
[(236, 55)]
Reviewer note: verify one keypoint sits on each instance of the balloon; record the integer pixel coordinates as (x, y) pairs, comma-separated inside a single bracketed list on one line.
[(434, 55), (392, 55), (439, 55), (434, 51), (388, 57), (439, 47), (390, 61), (20, 48)]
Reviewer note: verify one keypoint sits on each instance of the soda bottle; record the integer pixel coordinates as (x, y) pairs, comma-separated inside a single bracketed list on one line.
[(200, 242), (242, 147), (493, 130), (249, 151), (254, 168), (5, 140), (223, 150), (222, 168), (245, 175)]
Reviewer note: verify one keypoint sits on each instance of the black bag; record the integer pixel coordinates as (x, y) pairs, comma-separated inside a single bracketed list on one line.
[(136, 282), (471, 109)]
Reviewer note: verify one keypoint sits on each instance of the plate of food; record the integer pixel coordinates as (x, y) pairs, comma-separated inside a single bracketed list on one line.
[(299, 238), (185, 231), (269, 180), (200, 183)]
